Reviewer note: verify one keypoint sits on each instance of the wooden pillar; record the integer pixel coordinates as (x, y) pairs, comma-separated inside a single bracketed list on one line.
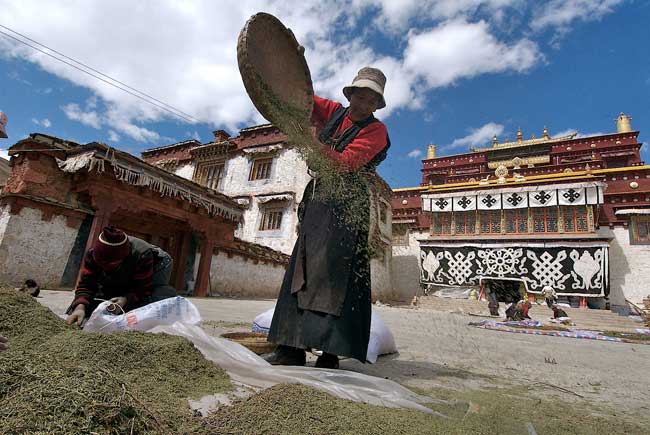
[(583, 302), (100, 220), (183, 250), (203, 275)]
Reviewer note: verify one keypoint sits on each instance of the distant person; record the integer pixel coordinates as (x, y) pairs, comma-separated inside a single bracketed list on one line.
[(549, 295), (125, 270), (518, 311), (30, 287), (493, 301), (4, 343), (558, 312)]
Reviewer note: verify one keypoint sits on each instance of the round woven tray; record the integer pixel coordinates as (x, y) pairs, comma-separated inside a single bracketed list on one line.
[(274, 72), (254, 341)]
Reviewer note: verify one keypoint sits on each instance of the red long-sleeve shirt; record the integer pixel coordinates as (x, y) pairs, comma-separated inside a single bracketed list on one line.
[(367, 144)]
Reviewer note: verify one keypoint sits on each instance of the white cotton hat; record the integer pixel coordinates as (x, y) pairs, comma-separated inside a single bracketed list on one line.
[(371, 78)]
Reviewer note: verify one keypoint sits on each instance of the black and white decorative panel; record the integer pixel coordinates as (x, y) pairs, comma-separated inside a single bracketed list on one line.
[(516, 197), (572, 270)]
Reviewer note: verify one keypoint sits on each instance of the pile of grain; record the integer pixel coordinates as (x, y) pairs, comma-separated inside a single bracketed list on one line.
[(56, 379)]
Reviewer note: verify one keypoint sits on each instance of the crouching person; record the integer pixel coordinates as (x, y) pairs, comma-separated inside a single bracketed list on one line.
[(125, 270)]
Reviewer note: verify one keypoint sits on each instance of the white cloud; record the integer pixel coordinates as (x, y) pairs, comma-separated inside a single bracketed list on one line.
[(415, 154), (397, 16), (193, 135), (477, 136), (4, 153), (561, 13), (459, 49), (190, 61), (113, 136), (74, 113), (43, 123)]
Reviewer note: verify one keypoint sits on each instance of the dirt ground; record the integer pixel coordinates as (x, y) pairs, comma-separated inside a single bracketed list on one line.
[(439, 352)]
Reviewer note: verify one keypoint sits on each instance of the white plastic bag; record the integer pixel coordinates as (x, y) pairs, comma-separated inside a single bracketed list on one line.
[(178, 316), (381, 340), (165, 312)]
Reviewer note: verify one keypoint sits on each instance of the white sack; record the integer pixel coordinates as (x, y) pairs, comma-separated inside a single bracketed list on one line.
[(381, 340)]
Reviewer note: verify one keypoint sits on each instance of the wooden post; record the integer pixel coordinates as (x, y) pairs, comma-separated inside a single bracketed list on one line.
[(182, 251), (203, 275), (583, 302)]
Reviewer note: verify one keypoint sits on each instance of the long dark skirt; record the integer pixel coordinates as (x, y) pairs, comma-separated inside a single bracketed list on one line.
[(331, 312)]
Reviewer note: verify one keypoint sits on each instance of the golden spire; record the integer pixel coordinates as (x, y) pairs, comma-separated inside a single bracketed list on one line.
[(431, 151), (495, 142), (520, 136), (545, 133), (623, 123)]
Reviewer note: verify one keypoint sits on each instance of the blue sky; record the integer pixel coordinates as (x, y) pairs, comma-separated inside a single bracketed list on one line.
[(458, 71)]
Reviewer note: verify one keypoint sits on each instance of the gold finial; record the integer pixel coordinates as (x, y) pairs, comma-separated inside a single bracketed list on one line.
[(431, 151), (623, 123), (495, 142), (545, 133), (520, 136)]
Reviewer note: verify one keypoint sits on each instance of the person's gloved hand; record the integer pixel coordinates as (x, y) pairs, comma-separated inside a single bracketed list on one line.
[(77, 316), (117, 305), (4, 343)]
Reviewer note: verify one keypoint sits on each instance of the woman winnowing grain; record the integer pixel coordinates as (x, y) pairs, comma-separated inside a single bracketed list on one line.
[(324, 301)]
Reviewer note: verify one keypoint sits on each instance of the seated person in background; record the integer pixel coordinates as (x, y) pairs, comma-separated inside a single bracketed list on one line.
[(30, 287), (518, 311), (125, 270), (558, 312)]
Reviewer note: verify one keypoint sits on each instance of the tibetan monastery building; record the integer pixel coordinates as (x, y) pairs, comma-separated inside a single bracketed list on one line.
[(570, 212)]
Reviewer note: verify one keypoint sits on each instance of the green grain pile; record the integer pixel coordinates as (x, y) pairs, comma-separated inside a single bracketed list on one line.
[(299, 410), (58, 380)]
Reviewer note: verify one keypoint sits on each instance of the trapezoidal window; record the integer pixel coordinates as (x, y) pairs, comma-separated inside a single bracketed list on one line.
[(271, 219), (211, 175), (640, 230), (261, 169)]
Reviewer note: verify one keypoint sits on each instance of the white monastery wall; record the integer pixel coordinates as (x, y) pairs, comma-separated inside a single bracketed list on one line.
[(288, 174), (185, 171), (32, 248), (405, 266), (243, 277), (239, 276), (629, 267)]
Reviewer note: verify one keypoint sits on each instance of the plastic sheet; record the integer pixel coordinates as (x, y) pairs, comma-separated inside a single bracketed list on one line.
[(178, 316)]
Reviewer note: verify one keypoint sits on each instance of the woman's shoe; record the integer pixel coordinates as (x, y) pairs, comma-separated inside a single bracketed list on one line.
[(286, 356), (327, 361)]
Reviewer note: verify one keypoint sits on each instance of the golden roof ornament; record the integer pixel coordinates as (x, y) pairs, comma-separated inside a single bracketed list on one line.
[(431, 151), (495, 142), (520, 136), (501, 172), (545, 133), (623, 123)]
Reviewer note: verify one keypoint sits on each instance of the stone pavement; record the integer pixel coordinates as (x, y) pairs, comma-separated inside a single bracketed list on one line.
[(584, 318), (437, 349)]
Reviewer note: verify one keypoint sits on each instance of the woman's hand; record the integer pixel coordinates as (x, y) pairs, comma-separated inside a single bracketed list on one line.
[(77, 316), (117, 305)]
